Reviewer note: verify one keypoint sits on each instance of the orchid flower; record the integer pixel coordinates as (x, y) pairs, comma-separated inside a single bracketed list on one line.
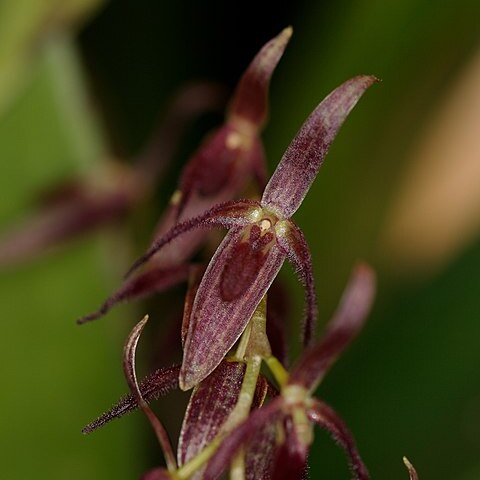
[(102, 197), (262, 235), (213, 433), (216, 173), (216, 406), (296, 410)]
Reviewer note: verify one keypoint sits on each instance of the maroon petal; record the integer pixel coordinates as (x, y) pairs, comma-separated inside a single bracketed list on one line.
[(233, 285), (327, 418), (153, 279), (411, 469), (131, 377), (152, 387), (344, 326), (241, 436), (302, 160), (156, 474), (291, 456), (209, 407), (250, 101), (218, 170), (278, 310), (299, 255), (195, 277), (260, 453), (226, 215)]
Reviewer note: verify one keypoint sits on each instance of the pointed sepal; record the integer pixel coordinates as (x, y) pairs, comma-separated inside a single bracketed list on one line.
[(250, 100), (298, 254), (344, 326), (129, 353), (303, 158), (152, 280), (227, 214), (236, 279), (209, 407), (152, 387), (241, 436), (325, 417)]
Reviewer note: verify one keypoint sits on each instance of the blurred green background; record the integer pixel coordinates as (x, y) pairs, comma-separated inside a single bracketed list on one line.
[(80, 78)]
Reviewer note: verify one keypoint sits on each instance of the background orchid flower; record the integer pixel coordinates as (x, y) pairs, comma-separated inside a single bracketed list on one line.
[(216, 173), (295, 410), (262, 235), (102, 197)]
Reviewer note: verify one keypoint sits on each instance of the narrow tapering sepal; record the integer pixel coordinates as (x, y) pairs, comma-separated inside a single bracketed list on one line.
[(304, 157)]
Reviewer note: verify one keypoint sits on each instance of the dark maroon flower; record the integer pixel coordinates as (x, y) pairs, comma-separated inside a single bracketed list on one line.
[(217, 172), (295, 410), (262, 235)]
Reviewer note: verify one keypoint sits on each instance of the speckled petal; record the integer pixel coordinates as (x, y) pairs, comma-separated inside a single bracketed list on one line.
[(209, 406), (221, 311), (241, 436), (304, 157)]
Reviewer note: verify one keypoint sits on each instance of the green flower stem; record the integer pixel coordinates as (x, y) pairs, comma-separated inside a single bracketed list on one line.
[(237, 469), (244, 403), (278, 370), (243, 343), (187, 470), (241, 411)]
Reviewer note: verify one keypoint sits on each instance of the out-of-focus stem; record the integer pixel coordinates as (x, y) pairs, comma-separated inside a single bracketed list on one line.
[(242, 408), (237, 470), (278, 370)]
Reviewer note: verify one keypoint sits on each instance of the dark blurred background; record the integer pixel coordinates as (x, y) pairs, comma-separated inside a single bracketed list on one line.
[(400, 188)]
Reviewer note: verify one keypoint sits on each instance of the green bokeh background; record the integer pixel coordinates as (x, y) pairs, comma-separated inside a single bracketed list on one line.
[(408, 386)]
